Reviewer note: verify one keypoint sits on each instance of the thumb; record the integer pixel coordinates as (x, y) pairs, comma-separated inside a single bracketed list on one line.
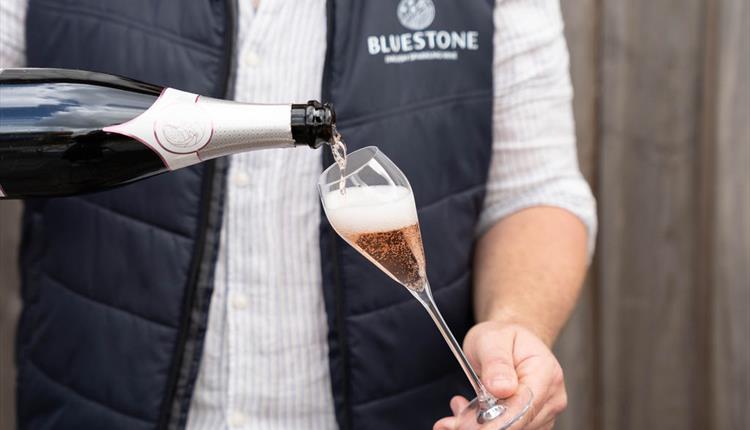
[(496, 363)]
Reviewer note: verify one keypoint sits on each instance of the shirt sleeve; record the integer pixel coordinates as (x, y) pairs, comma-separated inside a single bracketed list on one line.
[(534, 158), (12, 33)]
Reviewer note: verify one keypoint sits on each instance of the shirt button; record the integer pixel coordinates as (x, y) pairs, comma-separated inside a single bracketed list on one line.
[(239, 301), (251, 59), (236, 419), (241, 179)]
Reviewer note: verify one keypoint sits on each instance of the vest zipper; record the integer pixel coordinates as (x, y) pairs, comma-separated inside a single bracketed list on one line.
[(227, 88), (166, 418), (341, 334)]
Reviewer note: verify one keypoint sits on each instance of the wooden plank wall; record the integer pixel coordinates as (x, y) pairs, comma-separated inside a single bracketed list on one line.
[(577, 347), (653, 330), (661, 336), (10, 306), (728, 133)]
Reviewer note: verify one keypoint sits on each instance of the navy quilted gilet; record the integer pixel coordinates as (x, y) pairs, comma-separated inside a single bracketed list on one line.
[(116, 285)]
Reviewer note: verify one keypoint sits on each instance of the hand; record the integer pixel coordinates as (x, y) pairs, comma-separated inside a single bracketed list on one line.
[(505, 356)]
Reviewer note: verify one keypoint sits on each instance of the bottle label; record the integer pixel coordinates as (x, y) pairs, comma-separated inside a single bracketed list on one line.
[(173, 126), (185, 128)]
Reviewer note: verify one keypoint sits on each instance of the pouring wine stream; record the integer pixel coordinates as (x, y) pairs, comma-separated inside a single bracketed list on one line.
[(338, 149)]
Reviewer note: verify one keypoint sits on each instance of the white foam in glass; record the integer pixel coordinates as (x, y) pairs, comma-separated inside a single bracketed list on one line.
[(371, 209)]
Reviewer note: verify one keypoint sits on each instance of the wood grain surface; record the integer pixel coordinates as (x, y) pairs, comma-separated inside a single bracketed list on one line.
[(577, 347), (664, 114), (729, 275), (10, 306)]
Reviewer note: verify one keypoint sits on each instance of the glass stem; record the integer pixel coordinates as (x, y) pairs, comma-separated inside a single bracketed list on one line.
[(484, 397)]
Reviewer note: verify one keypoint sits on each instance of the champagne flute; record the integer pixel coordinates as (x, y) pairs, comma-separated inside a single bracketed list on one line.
[(374, 211)]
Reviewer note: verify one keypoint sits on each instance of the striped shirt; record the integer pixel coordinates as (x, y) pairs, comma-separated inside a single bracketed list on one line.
[(265, 360)]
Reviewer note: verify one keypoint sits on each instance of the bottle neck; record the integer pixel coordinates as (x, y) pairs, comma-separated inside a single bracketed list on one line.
[(312, 123), (185, 129)]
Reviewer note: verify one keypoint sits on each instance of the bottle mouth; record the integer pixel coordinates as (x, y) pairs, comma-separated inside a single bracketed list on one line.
[(326, 117), (312, 123)]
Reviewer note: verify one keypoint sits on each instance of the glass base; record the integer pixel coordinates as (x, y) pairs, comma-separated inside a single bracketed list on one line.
[(500, 416)]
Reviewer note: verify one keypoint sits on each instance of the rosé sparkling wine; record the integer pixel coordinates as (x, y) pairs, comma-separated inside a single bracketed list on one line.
[(381, 223), (370, 204)]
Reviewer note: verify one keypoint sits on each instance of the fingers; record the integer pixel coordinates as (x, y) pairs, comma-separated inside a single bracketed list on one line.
[(494, 356), (508, 355), (540, 424), (541, 415), (545, 409), (458, 404), (447, 423)]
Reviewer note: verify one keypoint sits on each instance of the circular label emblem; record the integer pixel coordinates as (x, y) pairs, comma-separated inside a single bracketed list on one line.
[(183, 128), (416, 14)]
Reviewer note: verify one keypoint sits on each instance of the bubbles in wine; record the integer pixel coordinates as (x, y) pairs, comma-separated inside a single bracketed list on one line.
[(398, 252), (381, 223)]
